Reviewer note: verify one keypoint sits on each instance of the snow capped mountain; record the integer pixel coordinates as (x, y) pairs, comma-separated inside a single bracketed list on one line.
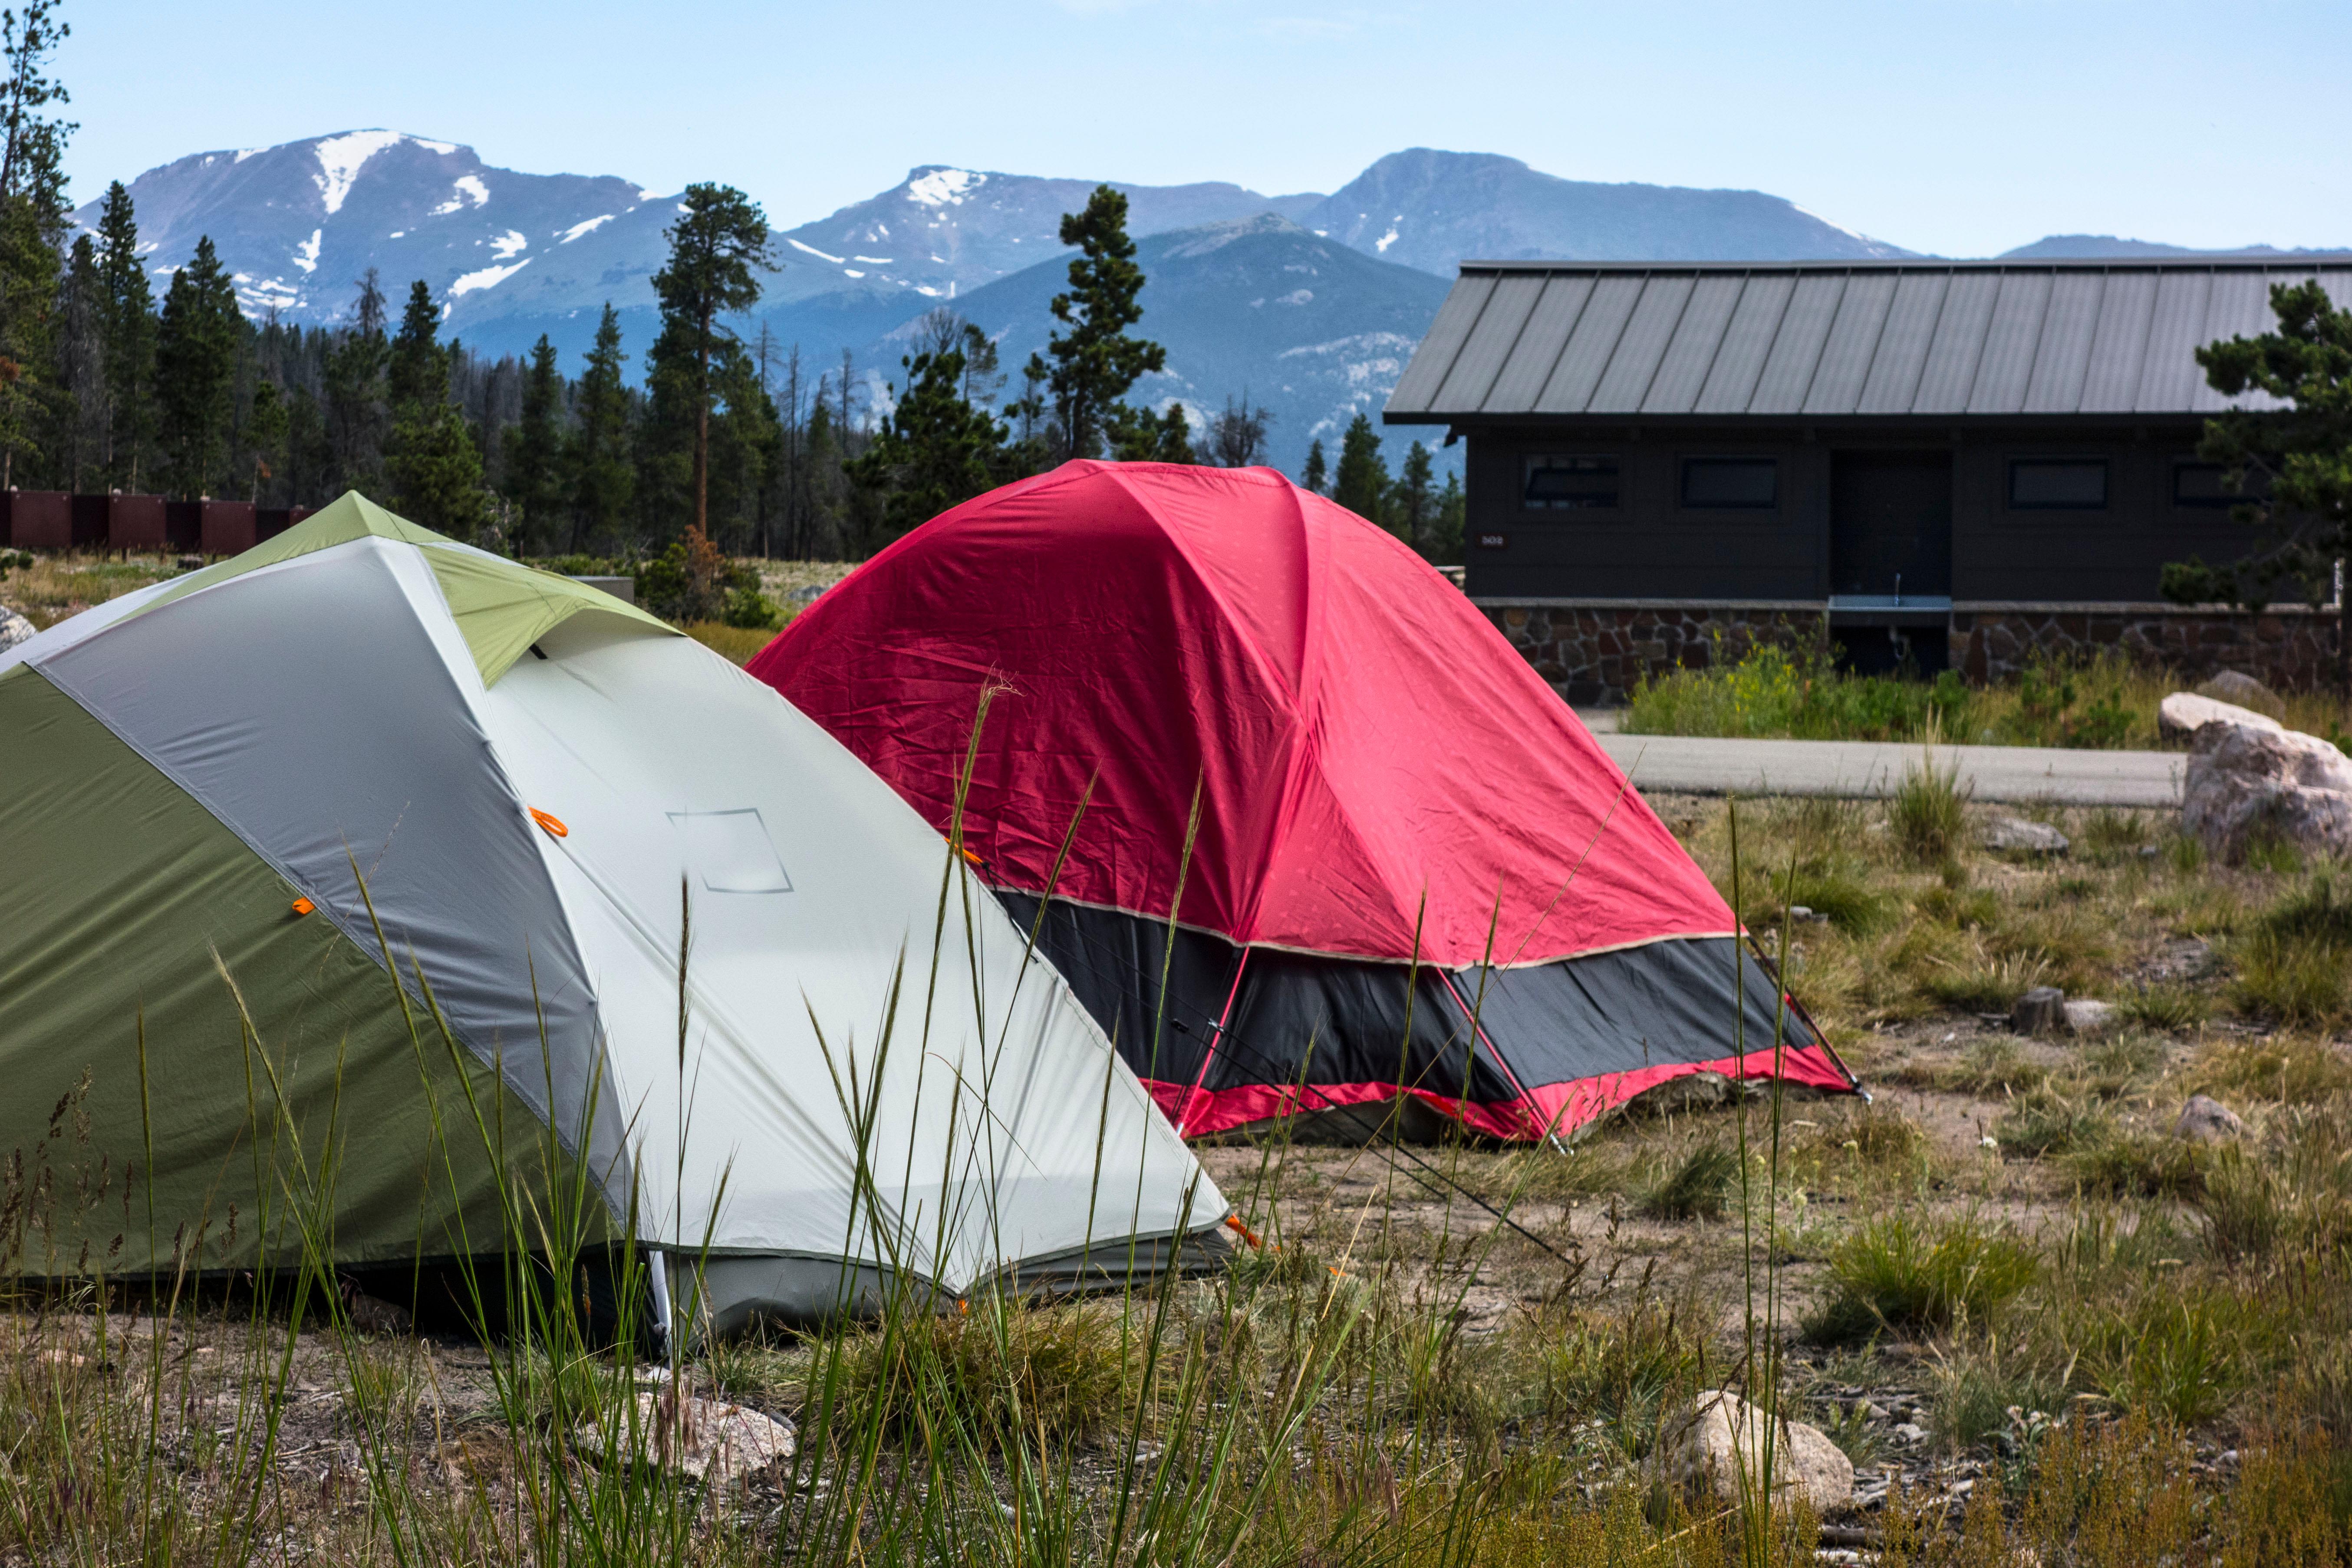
[(1310, 328), (296, 225), (1434, 210)]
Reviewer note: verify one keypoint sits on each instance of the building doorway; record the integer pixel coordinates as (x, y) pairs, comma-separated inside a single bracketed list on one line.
[(1891, 558), (1891, 524)]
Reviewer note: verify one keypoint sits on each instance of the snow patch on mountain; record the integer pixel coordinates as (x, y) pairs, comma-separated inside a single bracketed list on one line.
[(944, 187), (508, 246), (245, 153), (487, 277), (813, 251), (306, 255), (340, 159), (468, 188), (590, 226)]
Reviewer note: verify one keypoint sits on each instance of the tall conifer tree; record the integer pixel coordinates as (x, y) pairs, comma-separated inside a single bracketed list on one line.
[(602, 481), (127, 328), (196, 343), (1361, 482), (534, 449), (718, 248), (1096, 363)]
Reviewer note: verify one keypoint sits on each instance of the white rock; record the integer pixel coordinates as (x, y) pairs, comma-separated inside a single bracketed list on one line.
[(707, 1439), (14, 629), (1719, 1438), (2179, 716), (2089, 1018), (2017, 836), (2207, 1120), (2244, 783)]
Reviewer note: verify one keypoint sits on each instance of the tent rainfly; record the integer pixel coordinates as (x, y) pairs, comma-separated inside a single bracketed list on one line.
[(222, 788), (1413, 870)]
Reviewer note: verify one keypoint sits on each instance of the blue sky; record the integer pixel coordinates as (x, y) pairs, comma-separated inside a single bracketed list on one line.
[(1962, 129)]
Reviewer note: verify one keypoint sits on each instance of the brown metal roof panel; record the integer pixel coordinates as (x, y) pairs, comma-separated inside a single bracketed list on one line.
[(1557, 310), (2119, 343), (2062, 352), (1642, 346), (1698, 340), (2169, 376), (1911, 317), (1852, 345), (1747, 344), (2006, 366), (1416, 389), (1479, 358), (1796, 348), (1590, 345)]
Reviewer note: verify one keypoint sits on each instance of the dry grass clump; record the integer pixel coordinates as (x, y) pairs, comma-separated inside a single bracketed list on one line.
[(735, 643), (1696, 1185), (2294, 962), (999, 1367), (2293, 1069), (48, 588)]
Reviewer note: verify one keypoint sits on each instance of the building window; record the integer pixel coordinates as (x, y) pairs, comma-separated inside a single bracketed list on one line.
[(1752, 484), (2200, 485), (2058, 484), (1572, 484)]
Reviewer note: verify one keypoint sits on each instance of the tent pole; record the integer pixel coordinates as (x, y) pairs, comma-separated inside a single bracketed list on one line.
[(1478, 1032), (1216, 1032)]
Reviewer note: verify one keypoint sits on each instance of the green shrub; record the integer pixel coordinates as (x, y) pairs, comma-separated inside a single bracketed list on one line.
[(2044, 1121), (1621, 1369), (1850, 904), (2153, 1165), (1796, 691), (1694, 1186), (1905, 1271), (1928, 812), (2169, 1006), (1003, 1369)]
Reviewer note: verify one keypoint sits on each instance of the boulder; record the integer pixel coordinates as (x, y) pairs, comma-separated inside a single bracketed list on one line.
[(2238, 688), (2041, 1011), (2016, 835), (2245, 784), (14, 629), (1718, 1442), (2088, 1018), (2179, 716), (2207, 1120), (705, 1439)]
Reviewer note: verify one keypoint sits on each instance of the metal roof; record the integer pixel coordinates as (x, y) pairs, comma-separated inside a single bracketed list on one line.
[(1828, 339)]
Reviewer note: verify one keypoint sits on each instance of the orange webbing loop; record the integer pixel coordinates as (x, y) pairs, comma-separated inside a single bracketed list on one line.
[(549, 821)]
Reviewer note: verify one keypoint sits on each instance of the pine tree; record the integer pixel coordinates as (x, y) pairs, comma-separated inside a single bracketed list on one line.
[(265, 434), (435, 467), (353, 382), (1412, 501), (1361, 481), (534, 451), (1235, 438), (1452, 512), (1167, 439), (79, 416), (936, 449), (1316, 475), (1096, 363), (416, 370), (2292, 461), (33, 216), (601, 479), (718, 248), (197, 343), (127, 328)]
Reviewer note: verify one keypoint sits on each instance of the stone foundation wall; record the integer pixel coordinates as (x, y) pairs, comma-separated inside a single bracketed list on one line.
[(1595, 653), (2288, 648)]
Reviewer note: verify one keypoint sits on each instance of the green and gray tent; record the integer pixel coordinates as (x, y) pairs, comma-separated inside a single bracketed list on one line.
[(359, 865)]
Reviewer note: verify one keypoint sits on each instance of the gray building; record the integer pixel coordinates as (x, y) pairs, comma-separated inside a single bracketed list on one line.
[(1962, 464)]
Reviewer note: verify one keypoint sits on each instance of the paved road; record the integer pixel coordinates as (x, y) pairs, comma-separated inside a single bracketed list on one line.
[(1862, 769)]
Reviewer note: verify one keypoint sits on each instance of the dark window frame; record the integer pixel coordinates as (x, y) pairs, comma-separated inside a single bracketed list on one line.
[(1686, 465), (1539, 462), (2107, 483), (2220, 500)]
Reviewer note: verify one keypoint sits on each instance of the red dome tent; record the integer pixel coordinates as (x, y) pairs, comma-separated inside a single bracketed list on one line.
[(1412, 865)]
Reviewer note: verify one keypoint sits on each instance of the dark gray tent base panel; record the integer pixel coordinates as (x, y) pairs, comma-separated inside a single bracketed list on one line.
[(1510, 1052), (741, 1292)]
